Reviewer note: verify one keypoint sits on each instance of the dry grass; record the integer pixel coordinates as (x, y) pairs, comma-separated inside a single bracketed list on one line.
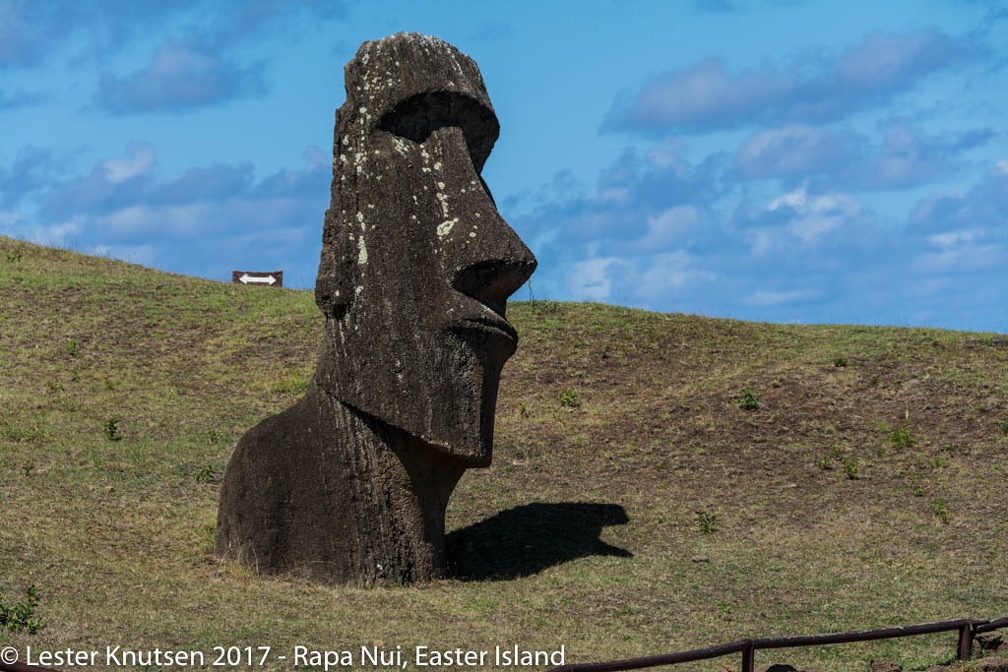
[(645, 513)]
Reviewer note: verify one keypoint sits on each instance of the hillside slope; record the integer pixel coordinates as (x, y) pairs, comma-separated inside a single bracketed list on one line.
[(660, 482)]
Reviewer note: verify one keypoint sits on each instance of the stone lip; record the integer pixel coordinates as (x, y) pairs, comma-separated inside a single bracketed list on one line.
[(488, 324)]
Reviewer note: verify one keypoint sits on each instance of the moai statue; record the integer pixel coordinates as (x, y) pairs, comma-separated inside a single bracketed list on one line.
[(350, 484)]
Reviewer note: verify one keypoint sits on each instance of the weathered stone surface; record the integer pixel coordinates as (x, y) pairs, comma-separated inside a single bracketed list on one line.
[(351, 483)]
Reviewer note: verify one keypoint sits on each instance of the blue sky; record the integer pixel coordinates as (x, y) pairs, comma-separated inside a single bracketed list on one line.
[(774, 160)]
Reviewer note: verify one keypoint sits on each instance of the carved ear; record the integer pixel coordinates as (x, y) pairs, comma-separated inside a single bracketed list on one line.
[(338, 271)]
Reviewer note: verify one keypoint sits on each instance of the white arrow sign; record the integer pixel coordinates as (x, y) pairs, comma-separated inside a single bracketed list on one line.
[(246, 279)]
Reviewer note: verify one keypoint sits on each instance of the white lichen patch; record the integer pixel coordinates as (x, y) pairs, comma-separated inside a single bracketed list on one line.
[(437, 165), (440, 185), (443, 199), (444, 228), (360, 220), (361, 251), (401, 145)]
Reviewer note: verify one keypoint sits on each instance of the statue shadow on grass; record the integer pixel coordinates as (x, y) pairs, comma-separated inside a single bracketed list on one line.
[(527, 539)]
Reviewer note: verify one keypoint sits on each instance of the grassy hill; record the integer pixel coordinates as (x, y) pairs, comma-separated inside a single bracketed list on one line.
[(660, 482)]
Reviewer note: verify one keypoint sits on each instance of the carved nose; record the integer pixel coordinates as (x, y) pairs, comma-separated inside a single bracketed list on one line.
[(491, 282)]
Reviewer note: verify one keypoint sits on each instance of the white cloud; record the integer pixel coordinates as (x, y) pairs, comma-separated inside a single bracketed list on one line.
[(145, 255), (815, 216), (180, 76), (669, 227), (706, 95), (611, 195), (965, 259), (765, 298), (802, 204), (60, 234), (668, 273), (9, 220), (140, 162), (589, 279), (952, 238), (668, 155), (791, 150)]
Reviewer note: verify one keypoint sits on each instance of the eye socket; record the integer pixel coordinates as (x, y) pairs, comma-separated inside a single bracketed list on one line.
[(418, 116)]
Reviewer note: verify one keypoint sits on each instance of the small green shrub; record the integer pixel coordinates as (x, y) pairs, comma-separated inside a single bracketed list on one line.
[(707, 520), (218, 436), (569, 399), (902, 437), (941, 510), (111, 429), (294, 384), (839, 362), (748, 401), (206, 474), (1003, 426), (850, 466), (21, 617)]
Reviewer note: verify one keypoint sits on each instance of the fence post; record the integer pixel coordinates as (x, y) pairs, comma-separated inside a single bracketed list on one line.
[(749, 658), (964, 647)]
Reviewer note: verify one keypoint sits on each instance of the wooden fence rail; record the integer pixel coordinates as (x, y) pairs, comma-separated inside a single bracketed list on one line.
[(967, 629)]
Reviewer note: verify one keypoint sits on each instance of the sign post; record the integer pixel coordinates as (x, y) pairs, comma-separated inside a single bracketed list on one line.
[(266, 279)]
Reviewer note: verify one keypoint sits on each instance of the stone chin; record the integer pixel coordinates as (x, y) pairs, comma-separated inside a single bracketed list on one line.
[(440, 389)]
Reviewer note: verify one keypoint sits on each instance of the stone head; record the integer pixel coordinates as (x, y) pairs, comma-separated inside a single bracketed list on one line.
[(417, 264)]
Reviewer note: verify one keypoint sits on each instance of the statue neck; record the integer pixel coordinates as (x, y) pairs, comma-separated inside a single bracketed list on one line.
[(403, 486)]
